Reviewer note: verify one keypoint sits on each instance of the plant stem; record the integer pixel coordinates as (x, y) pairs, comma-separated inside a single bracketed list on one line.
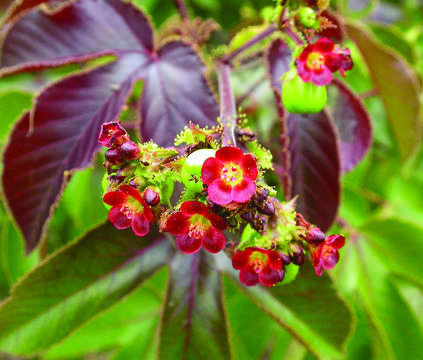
[(182, 9), (254, 40), (286, 155), (227, 104)]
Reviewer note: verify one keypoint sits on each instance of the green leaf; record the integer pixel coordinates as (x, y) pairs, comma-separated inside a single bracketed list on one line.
[(193, 324), (399, 244), (398, 86), (396, 332), (309, 308), (76, 283), (120, 326)]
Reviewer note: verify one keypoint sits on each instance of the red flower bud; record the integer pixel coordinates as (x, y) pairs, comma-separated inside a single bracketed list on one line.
[(130, 151), (114, 156), (112, 134), (151, 197), (315, 236)]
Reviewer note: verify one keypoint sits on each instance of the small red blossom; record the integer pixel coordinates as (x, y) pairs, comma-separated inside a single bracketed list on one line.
[(326, 255), (258, 265), (112, 134), (318, 61), (194, 227), (230, 176), (129, 209)]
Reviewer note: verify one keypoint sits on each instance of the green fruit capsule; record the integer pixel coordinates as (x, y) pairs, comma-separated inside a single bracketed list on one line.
[(299, 97), (307, 17), (191, 170)]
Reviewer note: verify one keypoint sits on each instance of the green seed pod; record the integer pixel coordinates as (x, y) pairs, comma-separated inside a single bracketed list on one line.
[(307, 17), (299, 97), (191, 170)]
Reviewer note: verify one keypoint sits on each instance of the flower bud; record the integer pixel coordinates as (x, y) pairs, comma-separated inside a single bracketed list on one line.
[(267, 208), (112, 134), (130, 151), (260, 196), (296, 254), (114, 156), (247, 216), (151, 196), (315, 236), (307, 17), (286, 260)]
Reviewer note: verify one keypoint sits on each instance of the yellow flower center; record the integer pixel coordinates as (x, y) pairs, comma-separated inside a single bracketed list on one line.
[(231, 174), (316, 61)]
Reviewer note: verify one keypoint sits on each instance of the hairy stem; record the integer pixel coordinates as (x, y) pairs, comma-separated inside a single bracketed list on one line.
[(182, 9), (254, 40), (227, 104)]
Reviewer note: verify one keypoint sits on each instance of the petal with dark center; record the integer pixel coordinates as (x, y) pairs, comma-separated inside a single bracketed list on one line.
[(243, 192), (119, 220), (187, 244), (217, 222), (140, 224), (322, 78), (213, 241), (229, 154), (324, 45), (269, 277), (177, 224), (211, 170), (241, 259), (248, 166), (335, 241), (115, 198), (219, 192), (132, 192), (248, 277), (190, 208)]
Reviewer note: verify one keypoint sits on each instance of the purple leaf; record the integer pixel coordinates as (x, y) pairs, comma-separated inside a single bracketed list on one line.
[(353, 124), (61, 132), (337, 33), (194, 324), (278, 60), (315, 167)]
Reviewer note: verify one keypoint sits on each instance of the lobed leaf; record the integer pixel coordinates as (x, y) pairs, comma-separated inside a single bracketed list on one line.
[(353, 123), (309, 308), (193, 324), (75, 284), (60, 134), (397, 84)]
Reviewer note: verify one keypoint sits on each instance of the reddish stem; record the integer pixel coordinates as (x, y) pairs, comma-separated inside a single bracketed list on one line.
[(182, 9), (254, 40), (227, 104)]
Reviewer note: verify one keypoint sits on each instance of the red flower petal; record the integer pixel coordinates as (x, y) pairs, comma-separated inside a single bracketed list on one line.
[(119, 220), (248, 277), (318, 269), (213, 241), (329, 258), (148, 214), (140, 224), (219, 192), (324, 45), (269, 277), (316, 255), (229, 154), (132, 192), (114, 198), (190, 208), (322, 78), (333, 61), (188, 244), (241, 259), (217, 222), (274, 260), (177, 224), (248, 166), (243, 192), (304, 54), (303, 72), (211, 170), (335, 241)]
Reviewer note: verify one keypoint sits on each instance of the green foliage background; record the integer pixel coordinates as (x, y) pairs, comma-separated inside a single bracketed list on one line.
[(380, 273)]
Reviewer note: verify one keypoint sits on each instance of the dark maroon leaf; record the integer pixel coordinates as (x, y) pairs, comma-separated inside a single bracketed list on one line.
[(194, 324), (315, 167), (337, 33), (19, 6), (60, 134), (353, 123), (77, 283), (278, 59)]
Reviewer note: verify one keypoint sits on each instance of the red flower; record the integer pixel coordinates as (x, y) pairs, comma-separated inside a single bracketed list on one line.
[(112, 134), (326, 255), (195, 226), (129, 209), (258, 265), (318, 61), (230, 176)]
